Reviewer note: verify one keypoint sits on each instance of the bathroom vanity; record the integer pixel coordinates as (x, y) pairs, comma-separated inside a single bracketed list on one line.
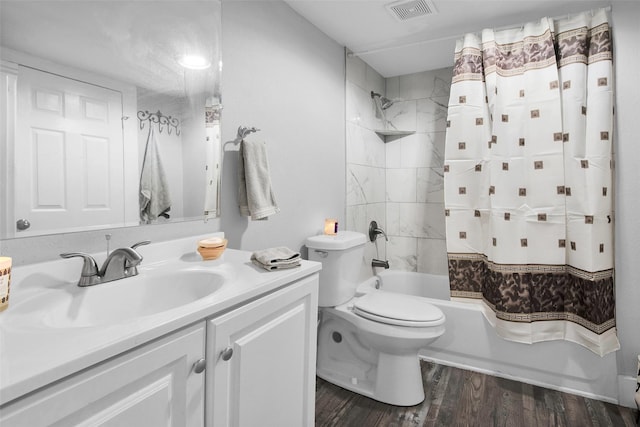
[(236, 347)]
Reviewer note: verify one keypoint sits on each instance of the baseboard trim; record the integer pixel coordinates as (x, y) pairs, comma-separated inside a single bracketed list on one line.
[(627, 391)]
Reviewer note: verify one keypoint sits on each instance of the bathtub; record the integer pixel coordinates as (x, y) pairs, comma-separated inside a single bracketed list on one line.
[(469, 342)]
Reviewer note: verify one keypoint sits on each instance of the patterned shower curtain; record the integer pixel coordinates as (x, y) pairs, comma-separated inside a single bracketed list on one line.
[(528, 180), (212, 112)]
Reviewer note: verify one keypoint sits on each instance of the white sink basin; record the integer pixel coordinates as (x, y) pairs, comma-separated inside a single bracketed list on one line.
[(119, 301)]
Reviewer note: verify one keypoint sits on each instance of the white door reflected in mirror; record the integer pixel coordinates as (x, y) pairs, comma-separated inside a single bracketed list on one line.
[(69, 145), (74, 76)]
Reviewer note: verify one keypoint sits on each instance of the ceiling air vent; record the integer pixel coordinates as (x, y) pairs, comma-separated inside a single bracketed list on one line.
[(404, 10)]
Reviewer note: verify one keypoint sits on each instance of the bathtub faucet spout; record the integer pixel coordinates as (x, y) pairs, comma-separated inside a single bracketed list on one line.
[(379, 263)]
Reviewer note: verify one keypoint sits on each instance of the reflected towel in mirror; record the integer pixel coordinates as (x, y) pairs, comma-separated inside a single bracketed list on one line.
[(255, 194), (154, 195)]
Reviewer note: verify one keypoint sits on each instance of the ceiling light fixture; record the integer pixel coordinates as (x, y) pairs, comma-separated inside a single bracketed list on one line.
[(194, 62)]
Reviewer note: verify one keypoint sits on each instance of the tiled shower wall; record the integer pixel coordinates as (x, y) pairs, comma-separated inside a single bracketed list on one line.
[(400, 183), (366, 189)]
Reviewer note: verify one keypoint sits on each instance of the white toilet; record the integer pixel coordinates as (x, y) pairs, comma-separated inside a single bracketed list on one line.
[(368, 342)]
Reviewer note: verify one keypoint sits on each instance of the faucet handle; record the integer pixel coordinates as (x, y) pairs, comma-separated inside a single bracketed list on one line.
[(89, 268), (142, 243), (374, 230), (89, 274), (132, 270)]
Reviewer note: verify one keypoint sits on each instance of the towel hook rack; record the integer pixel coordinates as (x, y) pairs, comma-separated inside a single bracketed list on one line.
[(243, 131), (160, 119)]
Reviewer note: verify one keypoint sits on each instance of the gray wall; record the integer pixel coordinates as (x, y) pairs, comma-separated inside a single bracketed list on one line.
[(285, 77)]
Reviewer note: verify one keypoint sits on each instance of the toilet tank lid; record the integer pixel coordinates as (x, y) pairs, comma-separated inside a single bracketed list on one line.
[(342, 240)]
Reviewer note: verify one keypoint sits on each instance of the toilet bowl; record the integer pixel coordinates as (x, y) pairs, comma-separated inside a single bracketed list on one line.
[(368, 343)]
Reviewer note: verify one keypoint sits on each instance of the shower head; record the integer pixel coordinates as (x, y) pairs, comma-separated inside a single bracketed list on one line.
[(384, 102)]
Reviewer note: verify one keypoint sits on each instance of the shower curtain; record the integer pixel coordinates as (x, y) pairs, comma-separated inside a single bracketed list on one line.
[(212, 158), (528, 180)]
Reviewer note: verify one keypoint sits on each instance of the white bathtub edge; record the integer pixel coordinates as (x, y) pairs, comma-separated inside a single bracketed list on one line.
[(470, 342)]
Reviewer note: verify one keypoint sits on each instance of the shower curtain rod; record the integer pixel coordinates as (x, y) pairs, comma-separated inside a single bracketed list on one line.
[(457, 36)]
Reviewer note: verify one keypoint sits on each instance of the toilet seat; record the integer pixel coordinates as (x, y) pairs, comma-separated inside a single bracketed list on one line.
[(398, 309)]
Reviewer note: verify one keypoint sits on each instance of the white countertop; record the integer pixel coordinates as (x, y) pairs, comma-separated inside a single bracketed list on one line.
[(32, 357)]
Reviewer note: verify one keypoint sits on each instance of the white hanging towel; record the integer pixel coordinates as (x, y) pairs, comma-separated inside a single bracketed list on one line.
[(255, 194), (212, 152), (154, 190)]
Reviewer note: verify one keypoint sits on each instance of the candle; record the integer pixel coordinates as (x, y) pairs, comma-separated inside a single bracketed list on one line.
[(5, 279), (330, 226)]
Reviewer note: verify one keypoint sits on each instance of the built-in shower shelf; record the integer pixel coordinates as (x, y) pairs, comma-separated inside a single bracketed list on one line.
[(394, 134)]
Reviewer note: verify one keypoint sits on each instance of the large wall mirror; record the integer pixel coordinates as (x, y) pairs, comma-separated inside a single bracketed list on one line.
[(110, 114)]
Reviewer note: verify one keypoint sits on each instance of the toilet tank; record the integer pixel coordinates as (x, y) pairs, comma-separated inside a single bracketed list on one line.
[(341, 255)]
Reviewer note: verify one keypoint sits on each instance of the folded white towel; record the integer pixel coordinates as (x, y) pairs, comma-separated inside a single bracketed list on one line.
[(276, 256), (255, 194), (154, 190), (279, 266)]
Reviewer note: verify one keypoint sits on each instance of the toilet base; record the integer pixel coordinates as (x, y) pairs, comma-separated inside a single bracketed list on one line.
[(393, 385), (399, 380), (347, 359)]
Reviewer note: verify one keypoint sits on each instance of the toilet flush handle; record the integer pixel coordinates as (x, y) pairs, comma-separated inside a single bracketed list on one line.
[(323, 254)]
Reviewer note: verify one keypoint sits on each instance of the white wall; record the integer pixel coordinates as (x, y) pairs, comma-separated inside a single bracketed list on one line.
[(285, 77)]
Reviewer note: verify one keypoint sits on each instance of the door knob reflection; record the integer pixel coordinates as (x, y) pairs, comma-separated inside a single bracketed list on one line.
[(22, 224)]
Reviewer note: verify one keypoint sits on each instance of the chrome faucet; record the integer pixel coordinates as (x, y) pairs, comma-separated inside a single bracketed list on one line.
[(379, 263), (374, 231), (121, 263)]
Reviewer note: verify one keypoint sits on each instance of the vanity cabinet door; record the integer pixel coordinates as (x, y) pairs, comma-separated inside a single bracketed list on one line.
[(261, 361), (153, 385)]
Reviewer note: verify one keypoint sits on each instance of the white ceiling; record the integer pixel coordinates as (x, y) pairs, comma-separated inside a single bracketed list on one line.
[(136, 42), (364, 26), (396, 48)]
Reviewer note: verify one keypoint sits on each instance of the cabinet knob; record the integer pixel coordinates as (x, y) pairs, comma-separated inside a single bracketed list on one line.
[(226, 354), (199, 366)]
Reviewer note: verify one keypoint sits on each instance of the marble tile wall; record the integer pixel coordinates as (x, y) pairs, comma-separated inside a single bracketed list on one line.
[(414, 172), (365, 156), (399, 183)]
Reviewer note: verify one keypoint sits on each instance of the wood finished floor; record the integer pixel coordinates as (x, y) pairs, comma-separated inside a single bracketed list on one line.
[(456, 397)]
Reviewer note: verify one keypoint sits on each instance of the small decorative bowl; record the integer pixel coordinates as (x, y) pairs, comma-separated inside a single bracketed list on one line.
[(210, 249)]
